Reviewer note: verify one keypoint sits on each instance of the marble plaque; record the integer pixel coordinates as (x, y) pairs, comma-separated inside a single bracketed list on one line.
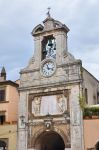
[(52, 104)]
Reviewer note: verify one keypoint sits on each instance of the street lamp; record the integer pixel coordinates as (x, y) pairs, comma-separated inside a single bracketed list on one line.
[(22, 118), (66, 116), (24, 123)]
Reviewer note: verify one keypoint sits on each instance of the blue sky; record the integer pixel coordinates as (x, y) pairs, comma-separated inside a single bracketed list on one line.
[(19, 17)]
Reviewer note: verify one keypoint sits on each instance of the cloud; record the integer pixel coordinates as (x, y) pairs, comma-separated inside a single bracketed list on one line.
[(90, 59), (19, 17)]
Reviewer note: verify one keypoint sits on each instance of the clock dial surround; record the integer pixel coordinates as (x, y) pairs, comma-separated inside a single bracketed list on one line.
[(48, 67)]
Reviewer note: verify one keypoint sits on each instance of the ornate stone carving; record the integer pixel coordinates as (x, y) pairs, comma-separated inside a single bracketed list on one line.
[(48, 122), (52, 104), (75, 117), (36, 105), (61, 103)]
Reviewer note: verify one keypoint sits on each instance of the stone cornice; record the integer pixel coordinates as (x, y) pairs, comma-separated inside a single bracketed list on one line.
[(58, 66), (58, 84), (9, 82)]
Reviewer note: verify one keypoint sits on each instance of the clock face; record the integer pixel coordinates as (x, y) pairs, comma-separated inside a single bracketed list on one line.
[(48, 68)]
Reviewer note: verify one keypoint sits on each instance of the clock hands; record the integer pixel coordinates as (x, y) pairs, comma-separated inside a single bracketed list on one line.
[(49, 68)]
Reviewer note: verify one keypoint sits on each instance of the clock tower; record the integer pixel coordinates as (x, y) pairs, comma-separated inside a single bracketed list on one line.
[(49, 113)]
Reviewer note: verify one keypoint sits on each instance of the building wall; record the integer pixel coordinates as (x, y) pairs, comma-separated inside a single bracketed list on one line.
[(68, 72), (13, 103), (17, 81), (9, 132), (75, 117), (92, 84), (91, 132), (9, 108), (10, 105)]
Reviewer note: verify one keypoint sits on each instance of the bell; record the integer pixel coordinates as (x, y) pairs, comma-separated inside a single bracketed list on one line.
[(50, 43)]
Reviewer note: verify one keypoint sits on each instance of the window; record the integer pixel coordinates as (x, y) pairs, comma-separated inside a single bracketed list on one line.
[(2, 119), (86, 95), (97, 97), (2, 95)]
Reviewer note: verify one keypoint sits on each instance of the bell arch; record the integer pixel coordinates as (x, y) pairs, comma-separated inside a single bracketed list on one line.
[(48, 47)]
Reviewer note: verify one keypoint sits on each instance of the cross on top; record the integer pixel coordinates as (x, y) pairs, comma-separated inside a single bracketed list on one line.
[(48, 13)]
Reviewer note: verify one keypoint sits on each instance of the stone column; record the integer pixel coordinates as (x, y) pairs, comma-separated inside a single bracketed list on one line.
[(61, 46), (22, 128), (76, 120)]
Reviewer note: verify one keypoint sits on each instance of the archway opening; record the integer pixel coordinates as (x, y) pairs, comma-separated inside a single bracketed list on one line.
[(3, 145), (97, 145), (49, 140)]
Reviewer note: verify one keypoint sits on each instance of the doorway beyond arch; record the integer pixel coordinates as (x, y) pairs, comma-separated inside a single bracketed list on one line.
[(97, 146), (3, 145)]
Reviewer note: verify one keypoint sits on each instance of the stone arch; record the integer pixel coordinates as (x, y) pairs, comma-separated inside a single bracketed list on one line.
[(57, 131)]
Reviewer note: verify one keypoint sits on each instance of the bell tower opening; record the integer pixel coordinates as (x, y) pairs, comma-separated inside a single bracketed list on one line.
[(48, 47), (49, 140)]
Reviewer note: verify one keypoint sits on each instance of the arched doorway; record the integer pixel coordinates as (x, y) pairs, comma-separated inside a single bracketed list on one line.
[(3, 145), (49, 140)]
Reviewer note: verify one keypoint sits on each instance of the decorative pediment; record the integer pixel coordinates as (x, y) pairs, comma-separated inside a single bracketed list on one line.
[(49, 24), (58, 24)]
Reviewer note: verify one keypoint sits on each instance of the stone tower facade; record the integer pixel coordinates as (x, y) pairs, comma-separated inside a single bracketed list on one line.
[(50, 88)]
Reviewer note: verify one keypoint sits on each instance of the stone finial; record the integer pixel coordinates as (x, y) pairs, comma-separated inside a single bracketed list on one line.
[(3, 73)]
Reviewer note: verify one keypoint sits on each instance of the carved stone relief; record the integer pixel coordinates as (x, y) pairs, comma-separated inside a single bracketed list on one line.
[(52, 104), (75, 117)]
